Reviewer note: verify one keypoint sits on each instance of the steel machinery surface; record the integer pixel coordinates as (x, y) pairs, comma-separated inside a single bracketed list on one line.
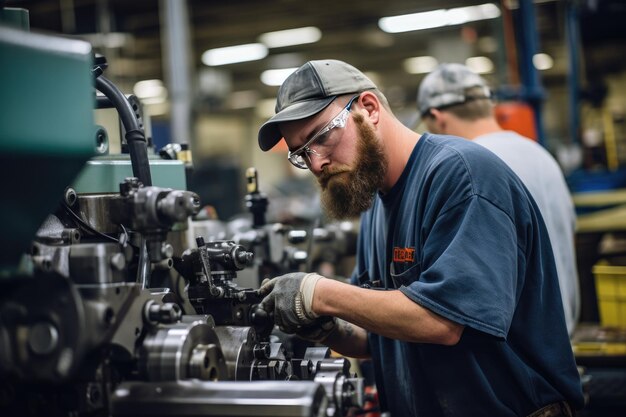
[(113, 305)]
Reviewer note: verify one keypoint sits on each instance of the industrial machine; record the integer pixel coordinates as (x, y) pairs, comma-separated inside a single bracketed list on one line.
[(105, 306)]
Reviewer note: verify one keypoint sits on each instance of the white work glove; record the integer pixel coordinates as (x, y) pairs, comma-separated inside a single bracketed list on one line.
[(290, 297)]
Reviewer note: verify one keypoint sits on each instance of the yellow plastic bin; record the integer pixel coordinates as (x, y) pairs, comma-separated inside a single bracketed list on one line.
[(611, 292)]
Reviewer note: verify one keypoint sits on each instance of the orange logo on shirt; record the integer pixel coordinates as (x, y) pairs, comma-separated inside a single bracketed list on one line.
[(404, 254)]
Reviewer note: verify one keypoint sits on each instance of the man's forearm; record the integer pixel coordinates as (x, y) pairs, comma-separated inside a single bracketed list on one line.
[(387, 313), (349, 340)]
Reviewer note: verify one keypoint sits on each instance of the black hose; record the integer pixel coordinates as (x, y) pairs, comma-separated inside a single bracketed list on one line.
[(139, 158), (135, 136)]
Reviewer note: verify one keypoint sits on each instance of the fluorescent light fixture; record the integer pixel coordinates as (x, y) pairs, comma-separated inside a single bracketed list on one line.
[(543, 61), (290, 37), (275, 77), (150, 91), (420, 64), (479, 64), (438, 18), (234, 54)]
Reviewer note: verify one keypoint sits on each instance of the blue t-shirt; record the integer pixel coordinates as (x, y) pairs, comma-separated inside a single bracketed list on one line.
[(460, 235)]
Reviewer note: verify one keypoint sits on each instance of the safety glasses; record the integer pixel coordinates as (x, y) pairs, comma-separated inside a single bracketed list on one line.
[(322, 143)]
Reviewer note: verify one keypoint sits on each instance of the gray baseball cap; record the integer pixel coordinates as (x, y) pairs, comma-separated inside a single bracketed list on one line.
[(446, 85), (310, 90)]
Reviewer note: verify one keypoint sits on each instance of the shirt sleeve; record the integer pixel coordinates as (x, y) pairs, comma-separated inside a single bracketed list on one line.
[(469, 267)]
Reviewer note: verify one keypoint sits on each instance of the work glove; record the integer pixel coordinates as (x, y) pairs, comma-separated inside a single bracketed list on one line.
[(290, 297), (319, 330)]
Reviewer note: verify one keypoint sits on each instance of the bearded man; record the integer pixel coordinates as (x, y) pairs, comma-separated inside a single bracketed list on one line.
[(455, 294)]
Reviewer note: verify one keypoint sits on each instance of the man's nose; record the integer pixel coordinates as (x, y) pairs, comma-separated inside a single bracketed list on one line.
[(317, 163)]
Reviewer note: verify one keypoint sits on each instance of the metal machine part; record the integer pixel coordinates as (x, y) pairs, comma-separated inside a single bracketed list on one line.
[(211, 270), (250, 359), (272, 243), (233, 399), (152, 211), (115, 330), (239, 350), (345, 391), (256, 202), (38, 344), (105, 262), (182, 351), (96, 210), (281, 248)]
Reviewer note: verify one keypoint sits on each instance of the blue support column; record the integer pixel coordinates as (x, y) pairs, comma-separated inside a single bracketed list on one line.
[(532, 90), (572, 36)]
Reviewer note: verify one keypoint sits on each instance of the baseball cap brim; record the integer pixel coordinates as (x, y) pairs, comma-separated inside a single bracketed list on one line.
[(269, 134)]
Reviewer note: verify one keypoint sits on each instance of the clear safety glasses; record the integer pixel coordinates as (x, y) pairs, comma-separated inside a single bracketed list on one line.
[(322, 143)]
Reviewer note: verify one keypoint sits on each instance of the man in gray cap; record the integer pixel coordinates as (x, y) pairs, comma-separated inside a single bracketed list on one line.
[(456, 297), (453, 100)]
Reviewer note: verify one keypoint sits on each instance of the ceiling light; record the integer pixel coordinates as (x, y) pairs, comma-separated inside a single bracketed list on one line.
[(543, 61), (275, 77), (420, 64), (233, 54), (290, 37), (479, 64), (438, 18)]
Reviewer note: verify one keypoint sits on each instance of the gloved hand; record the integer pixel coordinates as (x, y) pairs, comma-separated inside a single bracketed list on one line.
[(319, 330), (290, 297)]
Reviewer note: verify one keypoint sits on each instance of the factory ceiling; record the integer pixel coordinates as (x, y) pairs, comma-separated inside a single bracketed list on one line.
[(349, 31)]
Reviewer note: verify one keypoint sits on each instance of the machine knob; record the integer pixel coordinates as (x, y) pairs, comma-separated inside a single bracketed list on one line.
[(166, 313), (43, 338)]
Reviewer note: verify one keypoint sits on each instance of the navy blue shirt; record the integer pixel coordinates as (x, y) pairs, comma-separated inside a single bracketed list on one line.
[(460, 235)]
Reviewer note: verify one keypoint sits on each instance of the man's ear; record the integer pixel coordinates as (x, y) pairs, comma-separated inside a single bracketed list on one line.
[(370, 106), (438, 121), (436, 114)]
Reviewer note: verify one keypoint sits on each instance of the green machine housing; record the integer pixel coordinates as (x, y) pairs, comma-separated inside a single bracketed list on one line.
[(48, 138)]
